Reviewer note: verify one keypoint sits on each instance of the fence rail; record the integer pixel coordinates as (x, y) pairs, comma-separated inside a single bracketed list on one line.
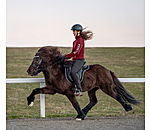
[(39, 80), (42, 82)]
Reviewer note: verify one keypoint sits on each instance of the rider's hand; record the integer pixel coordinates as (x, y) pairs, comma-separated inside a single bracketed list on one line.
[(63, 58)]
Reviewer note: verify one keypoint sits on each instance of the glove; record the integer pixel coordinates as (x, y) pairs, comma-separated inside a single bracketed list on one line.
[(63, 58)]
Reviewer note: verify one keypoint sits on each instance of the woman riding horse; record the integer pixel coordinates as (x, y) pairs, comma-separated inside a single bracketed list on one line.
[(77, 54), (47, 60)]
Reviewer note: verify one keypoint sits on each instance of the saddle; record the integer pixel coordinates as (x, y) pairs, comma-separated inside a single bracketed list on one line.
[(80, 72)]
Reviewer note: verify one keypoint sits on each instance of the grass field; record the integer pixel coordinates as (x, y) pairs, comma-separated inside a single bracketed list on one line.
[(125, 62)]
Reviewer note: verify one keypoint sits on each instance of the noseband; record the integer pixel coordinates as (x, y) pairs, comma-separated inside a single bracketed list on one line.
[(38, 65)]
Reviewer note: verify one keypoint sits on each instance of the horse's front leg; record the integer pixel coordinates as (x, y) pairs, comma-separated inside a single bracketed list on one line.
[(44, 90), (70, 95)]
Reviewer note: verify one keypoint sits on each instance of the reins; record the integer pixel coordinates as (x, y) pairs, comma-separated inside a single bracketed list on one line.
[(52, 64)]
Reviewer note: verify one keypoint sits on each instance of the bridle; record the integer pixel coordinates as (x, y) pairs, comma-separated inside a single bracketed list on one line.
[(38, 65)]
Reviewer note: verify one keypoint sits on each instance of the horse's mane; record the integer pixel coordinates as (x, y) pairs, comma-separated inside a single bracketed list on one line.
[(53, 55), (48, 52)]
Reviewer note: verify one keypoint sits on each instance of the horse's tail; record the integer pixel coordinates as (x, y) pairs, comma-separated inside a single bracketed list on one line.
[(123, 92)]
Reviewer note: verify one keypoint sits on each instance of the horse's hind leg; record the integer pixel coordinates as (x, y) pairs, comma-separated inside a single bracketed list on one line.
[(126, 106), (44, 90), (110, 90), (93, 100)]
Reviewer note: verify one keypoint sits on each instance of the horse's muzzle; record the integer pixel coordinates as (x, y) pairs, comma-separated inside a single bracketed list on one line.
[(32, 72), (29, 73)]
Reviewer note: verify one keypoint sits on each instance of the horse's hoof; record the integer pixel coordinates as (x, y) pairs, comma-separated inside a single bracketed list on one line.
[(78, 119), (128, 107), (31, 104)]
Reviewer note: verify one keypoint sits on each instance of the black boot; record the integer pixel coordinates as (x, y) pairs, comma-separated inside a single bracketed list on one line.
[(79, 91), (74, 89)]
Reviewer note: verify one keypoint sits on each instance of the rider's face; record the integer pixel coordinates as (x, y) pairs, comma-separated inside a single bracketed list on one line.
[(75, 33)]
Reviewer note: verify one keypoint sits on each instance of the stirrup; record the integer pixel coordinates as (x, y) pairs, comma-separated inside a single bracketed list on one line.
[(74, 89)]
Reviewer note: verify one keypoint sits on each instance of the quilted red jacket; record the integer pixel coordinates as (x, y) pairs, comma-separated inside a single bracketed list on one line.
[(77, 50)]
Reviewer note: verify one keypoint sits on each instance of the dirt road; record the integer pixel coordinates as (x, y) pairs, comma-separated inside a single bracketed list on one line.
[(90, 123)]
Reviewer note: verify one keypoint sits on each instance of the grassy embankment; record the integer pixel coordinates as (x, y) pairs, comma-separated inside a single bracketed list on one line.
[(125, 62)]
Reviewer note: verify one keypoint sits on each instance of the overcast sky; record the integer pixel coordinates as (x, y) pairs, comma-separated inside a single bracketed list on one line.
[(118, 23)]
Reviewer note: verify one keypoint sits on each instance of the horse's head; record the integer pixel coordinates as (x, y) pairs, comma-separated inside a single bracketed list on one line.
[(42, 59), (36, 66)]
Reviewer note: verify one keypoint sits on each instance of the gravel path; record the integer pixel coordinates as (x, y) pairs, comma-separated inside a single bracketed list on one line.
[(90, 123)]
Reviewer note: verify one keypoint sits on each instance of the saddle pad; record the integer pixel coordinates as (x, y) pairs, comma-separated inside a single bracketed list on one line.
[(80, 73)]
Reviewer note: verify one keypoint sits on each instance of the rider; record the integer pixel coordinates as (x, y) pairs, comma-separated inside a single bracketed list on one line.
[(77, 54)]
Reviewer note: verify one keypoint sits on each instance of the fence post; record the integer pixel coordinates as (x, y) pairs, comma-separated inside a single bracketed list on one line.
[(42, 101)]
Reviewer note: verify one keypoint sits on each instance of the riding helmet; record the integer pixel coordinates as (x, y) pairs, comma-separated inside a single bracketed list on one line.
[(77, 27)]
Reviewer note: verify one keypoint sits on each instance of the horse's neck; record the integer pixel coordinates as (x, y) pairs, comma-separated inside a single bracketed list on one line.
[(52, 71), (46, 73)]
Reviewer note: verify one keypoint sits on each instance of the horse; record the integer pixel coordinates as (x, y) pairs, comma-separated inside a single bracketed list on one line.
[(48, 60)]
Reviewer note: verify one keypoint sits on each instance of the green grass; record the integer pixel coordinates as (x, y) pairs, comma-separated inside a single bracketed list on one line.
[(125, 62)]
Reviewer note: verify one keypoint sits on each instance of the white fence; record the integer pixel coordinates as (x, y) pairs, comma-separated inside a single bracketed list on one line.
[(42, 82)]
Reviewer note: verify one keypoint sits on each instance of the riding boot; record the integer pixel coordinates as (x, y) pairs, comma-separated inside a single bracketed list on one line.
[(74, 89), (79, 90)]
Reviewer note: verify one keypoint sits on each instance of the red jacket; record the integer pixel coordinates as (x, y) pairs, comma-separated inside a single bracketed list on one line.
[(77, 50)]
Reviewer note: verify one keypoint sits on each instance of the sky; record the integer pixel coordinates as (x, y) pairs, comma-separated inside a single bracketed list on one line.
[(36, 23)]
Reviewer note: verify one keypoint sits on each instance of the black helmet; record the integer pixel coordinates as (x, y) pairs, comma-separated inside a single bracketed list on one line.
[(77, 27)]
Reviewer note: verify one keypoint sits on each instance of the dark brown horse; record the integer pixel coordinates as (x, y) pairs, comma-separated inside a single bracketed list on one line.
[(48, 61)]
